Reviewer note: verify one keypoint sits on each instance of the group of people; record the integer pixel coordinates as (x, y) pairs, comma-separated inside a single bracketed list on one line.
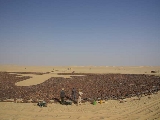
[(73, 96)]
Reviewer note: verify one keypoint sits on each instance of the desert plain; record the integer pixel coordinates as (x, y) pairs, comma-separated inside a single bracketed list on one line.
[(145, 108)]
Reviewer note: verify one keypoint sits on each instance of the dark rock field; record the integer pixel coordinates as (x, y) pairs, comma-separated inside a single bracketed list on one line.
[(93, 86)]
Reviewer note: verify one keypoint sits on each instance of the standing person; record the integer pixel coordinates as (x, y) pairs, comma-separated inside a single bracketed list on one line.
[(73, 94), (79, 97), (62, 96)]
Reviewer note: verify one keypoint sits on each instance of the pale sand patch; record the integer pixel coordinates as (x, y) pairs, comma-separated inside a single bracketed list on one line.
[(38, 79)]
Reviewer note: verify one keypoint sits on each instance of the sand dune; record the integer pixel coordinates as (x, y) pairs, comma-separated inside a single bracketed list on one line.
[(147, 108)]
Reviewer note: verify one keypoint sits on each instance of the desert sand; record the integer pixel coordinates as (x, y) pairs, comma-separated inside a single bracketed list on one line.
[(147, 108)]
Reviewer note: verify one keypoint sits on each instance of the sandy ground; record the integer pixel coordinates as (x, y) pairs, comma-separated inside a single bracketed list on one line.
[(147, 108)]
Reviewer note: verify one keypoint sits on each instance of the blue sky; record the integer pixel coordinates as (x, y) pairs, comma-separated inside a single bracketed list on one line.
[(80, 32)]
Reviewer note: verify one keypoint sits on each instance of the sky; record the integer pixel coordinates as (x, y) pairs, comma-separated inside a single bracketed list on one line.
[(80, 32)]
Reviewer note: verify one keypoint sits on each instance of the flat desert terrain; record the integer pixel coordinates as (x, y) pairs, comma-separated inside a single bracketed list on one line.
[(130, 108)]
